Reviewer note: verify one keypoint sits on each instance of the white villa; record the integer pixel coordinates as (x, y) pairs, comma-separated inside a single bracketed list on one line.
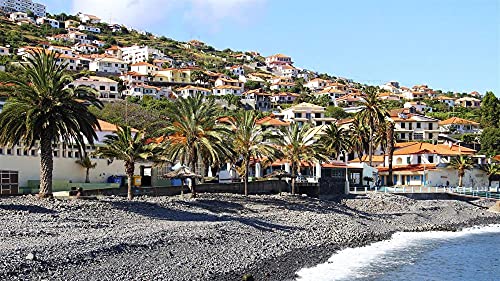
[(107, 88), (316, 84), (468, 102), (227, 90), (108, 65), (144, 68), (278, 59), (459, 125), (306, 113), (52, 22), (412, 126), (191, 91), (22, 6), (88, 28), (86, 18)]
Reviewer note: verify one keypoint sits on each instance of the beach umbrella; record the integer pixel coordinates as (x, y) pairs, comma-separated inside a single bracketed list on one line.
[(182, 173)]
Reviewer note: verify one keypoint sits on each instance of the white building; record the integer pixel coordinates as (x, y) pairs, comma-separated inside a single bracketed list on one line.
[(468, 102), (61, 50), (307, 113), (22, 6), (142, 90), (288, 71), (191, 91), (458, 125), (227, 90), (107, 88), (418, 105), (236, 70), (86, 18), (282, 97), (52, 22), (409, 125), (85, 48), (278, 59), (20, 165), (19, 16), (144, 68), (136, 54), (108, 65), (316, 84), (93, 29), (282, 85), (448, 100), (228, 82)]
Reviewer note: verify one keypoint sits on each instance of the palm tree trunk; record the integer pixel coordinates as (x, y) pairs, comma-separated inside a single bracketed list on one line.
[(129, 168), (390, 148), (460, 176), (193, 180), (87, 179), (293, 179), (370, 148), (247, 164), (46, 165)]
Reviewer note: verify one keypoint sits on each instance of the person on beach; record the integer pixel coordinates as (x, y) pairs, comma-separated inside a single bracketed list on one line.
[(80, 192)]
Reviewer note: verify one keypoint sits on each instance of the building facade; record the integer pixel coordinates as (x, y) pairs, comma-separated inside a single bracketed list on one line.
[(23, 6)]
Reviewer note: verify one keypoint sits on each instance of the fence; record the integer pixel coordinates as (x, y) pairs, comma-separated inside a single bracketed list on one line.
[(482, 192)]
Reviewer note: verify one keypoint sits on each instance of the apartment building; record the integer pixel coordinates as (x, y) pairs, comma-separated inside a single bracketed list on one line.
[(23, 6)]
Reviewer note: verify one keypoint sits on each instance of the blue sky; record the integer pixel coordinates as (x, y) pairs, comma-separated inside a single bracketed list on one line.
[(447, 44)]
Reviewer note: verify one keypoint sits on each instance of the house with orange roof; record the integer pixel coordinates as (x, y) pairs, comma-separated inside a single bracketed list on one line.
[(131, 77), (278, 59), (257, 99), (459, 125), (87, 18), (288, 70), (350, 100), (447, 100), (468, 102), (418, 164), (85, 48), (316, 84), (283, 97), (228, 82), (191, 91), (227, 90), (237, 70), (282, 86), (418, 105), (475, 94), (332, 93), (114, 51), (144, 68), (89, 28)]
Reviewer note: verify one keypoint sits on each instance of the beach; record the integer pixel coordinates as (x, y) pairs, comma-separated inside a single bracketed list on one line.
[(214, 237)]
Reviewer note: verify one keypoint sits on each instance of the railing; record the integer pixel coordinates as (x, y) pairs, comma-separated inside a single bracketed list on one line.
[(482, 192)]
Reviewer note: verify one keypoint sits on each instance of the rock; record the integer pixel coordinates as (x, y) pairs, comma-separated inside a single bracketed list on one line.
[(30, 256)]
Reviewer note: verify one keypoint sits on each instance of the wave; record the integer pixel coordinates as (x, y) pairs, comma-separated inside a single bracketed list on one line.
[(352, 263)]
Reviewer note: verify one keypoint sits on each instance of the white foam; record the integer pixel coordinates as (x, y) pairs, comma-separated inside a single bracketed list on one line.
[(349, 262)]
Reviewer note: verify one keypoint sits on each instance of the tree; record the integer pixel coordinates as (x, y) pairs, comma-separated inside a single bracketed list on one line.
[(461, 164), (252, 85), (492, 171), (391, 141), (128, 146), (490, 111), (335, 141), (195, 133), (299, 144), (201, 76), (336, 112), (359, 137), (42, 108), (373, 113), (250, 141), (490, 141), (87, 164)]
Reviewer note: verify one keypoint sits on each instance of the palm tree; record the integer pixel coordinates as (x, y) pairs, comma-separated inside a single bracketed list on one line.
[(390, 150), (461, 164), (251, 141), (194, 132), (359, 141), (335, 141), (373, 114), (299, 144), (87, 164), (129, 147), (43, 110), (491, 171)]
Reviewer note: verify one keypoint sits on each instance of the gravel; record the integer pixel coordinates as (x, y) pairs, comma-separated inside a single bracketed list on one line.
[(214, 237)]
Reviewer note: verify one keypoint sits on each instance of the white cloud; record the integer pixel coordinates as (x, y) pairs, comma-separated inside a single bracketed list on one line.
[(198, 14)]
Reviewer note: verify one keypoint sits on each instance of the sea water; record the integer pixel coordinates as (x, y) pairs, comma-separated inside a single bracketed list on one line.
[(471, 254)]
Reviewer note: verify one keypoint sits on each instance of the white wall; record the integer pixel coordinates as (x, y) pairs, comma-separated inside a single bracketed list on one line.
[(64, 169)]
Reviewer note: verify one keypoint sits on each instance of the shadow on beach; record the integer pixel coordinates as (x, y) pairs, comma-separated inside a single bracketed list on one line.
[(156, 211), (27, 208)]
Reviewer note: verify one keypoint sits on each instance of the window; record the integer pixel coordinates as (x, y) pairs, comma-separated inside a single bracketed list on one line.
[(403, 125), (408, 160), (430, 126), (102, 88), (419, 125), (298, 115), (112, 88), (431, 135), (431, 159), (419, 159), (9, 151), (308, 115), (402, 136)]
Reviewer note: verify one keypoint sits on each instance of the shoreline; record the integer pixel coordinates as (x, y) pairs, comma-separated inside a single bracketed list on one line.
[(215, 237)]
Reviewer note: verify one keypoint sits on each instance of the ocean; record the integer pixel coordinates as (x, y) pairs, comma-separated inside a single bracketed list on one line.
[(471, 254)]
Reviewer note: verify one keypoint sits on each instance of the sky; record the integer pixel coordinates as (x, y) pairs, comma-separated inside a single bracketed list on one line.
[(452, 45)]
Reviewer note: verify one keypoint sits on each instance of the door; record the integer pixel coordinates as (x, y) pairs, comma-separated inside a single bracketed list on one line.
[(146, 173)]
